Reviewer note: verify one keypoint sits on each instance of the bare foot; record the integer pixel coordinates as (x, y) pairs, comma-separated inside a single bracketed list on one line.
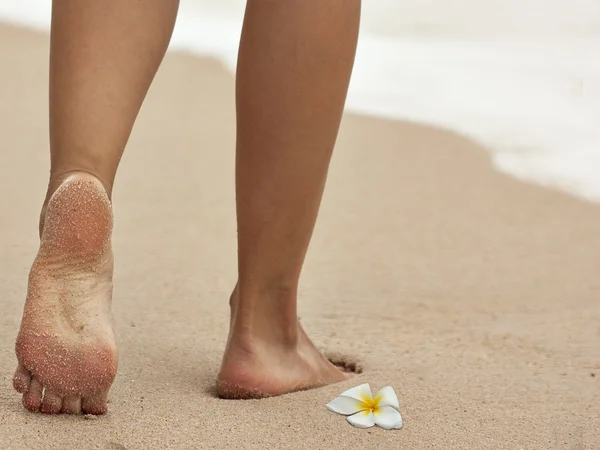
[(255, 368), (66, 346)]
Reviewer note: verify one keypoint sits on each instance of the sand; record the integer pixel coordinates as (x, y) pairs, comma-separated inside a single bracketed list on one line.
[(475, 295)]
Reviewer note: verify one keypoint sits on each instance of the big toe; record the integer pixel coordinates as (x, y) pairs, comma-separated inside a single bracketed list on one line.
[(95, 404), (21, 379)]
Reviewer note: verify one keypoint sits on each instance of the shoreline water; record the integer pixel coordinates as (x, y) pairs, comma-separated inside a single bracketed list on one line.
[(530, 95)]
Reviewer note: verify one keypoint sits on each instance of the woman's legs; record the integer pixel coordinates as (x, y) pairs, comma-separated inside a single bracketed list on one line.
[(294, 67), (295, 63), (104, 55)]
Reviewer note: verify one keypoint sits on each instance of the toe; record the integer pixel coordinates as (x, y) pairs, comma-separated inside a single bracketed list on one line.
[(95, 404), (32, 398), (71, 405), (52, 403), (21, 379)]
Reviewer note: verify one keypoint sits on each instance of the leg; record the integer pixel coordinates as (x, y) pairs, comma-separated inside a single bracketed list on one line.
[(294, 67), (103, 57)]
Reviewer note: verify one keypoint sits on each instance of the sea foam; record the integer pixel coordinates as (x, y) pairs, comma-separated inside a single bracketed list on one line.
[(522, 77)]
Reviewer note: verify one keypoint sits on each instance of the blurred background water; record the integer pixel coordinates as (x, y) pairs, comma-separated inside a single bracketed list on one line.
[(522, 77)]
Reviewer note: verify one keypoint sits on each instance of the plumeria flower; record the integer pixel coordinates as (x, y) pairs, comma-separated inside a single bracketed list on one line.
[(364, 411)]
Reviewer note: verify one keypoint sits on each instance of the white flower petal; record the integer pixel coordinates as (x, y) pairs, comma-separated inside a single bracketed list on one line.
[(362, 393), (346, 405), (387, 397), (363, 419), (387, 417)]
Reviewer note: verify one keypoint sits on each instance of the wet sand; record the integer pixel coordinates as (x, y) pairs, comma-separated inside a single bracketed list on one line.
[(475, 295)]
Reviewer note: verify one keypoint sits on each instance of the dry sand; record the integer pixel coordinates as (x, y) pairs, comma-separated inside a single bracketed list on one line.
[(476, 296)]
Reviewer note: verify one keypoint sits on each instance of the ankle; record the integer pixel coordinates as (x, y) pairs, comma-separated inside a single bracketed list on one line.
[(268, 318)]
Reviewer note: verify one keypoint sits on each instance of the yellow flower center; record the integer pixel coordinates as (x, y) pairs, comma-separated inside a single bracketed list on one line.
[(371, 403)]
